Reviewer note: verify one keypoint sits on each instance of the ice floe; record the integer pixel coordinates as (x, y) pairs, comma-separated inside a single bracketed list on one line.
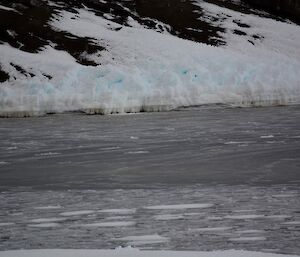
[(5, 224), (118, 211), (49, 207), (77, 213), (245, 217), (210, 229), (143, 239), (245, 239), (111, 224), (47, 220), (179, 206), (44, 225), (169, 217)]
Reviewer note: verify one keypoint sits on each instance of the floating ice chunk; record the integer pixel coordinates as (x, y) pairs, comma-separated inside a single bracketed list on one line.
[(169, 217), (278, 217), (237, 142), (111, 224), (4, 224), (47, 154), (44, 225), (267, 136), (284, 196), (292, 223), (210, 230), (118, 217), (77, 213), (111, 148), (193, 213), (250, 231), (243, 211), (143, 239), (214, 218), (245, 217), (179, 206), (245, 239), (118, 211), (50, 207), (47, 220), (137, 152)]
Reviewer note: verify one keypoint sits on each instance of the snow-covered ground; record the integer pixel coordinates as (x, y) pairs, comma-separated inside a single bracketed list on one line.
[(142, 69), (131, 252)]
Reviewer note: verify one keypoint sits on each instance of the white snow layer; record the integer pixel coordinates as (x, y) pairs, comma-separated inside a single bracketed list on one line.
[(143, 69), (131, 252)]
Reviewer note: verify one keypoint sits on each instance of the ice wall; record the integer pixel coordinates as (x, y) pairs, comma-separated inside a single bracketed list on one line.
[(143, 70)]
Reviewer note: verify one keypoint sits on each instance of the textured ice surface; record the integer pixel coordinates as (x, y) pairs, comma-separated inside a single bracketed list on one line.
[(194, 232), (186, 166)]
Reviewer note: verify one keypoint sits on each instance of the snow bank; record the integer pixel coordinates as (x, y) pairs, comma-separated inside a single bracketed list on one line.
[(142, 70), (130, 252)]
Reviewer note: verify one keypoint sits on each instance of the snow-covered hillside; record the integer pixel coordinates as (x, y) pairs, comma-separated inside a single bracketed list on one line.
[(112, 57)]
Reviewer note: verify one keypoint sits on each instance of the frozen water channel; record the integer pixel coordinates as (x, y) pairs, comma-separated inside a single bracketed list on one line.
[(195, 179)]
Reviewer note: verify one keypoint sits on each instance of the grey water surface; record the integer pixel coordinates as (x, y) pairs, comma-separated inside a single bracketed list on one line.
[(202, 178)]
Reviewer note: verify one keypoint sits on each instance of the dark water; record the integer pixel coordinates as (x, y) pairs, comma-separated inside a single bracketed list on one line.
[(243, 164)]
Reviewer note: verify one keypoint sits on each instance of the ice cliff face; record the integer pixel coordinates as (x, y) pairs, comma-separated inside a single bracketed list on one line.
[(143, 55)]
